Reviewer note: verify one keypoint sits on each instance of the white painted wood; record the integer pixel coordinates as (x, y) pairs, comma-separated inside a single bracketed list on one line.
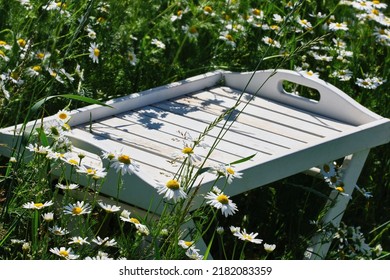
[(333, 102), (289, 134), (337, 204)]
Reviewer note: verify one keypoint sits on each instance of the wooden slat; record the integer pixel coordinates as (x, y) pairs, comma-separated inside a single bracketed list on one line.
[(238, 135), (156, 142), (209, 113), (282, 108), (204, 101)]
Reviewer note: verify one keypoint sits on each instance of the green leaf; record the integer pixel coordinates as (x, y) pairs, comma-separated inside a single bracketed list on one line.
[(206, 254), (42, 137), (243, 160), (37, 105)]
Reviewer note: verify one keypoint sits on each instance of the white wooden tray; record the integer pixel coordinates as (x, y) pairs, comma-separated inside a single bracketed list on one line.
[(288, 133)]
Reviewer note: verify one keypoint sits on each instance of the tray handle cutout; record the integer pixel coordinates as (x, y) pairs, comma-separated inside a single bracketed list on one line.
[(302, 91)]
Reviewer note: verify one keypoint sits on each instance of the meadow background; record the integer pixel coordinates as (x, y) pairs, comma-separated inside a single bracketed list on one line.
[(106, 49)]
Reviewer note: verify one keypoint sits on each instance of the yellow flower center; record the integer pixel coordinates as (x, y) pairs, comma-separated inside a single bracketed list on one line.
[(187, 150), (340, 189), (173, 184), (63, 116), (101, 19), (3, 43), (208, 9), (40, 55), (96, 52), (21, 42), (38, 204), (77, 210), (229, 37), (2, 53), (256, 12), (64, 253), (73, 161), (223, 199), (247, 237), (230, 170), (124, 159), (188, 243), (91, 171), (53, 74), (134, 220), (37, 68), (179, 13), (375, 12), (270, 41), (61, 5)]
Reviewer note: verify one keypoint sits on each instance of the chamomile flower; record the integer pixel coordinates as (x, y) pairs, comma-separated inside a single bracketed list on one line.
[(309, 73), (234, 229), (53, 73), (35, 148), (171, 190), (228, 38), (189, 145), (191, 31), (34, 71), (132, 58), (193, 254), (257, 13), (3, 56), (304, 23), (37, 205), (208, 10), (101, 256), (334, 26), (78, 240), (342, 75), (71, 158), (64, 253), (142, 229), (63, 116), (367, 83), (125, 215), (77, 209), (94, 52), (269, 248), (67, 186), (3, 44), (91, 33), (56, 230), (231, 173), (123, 163), (104, 242), (109, 208), (108, 155), (48, 217), (178, 15), (158, 43), (227, 171), (221, 201), (271, 42), (94, 172), (243, 235), (186, 244), (329, 169)]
